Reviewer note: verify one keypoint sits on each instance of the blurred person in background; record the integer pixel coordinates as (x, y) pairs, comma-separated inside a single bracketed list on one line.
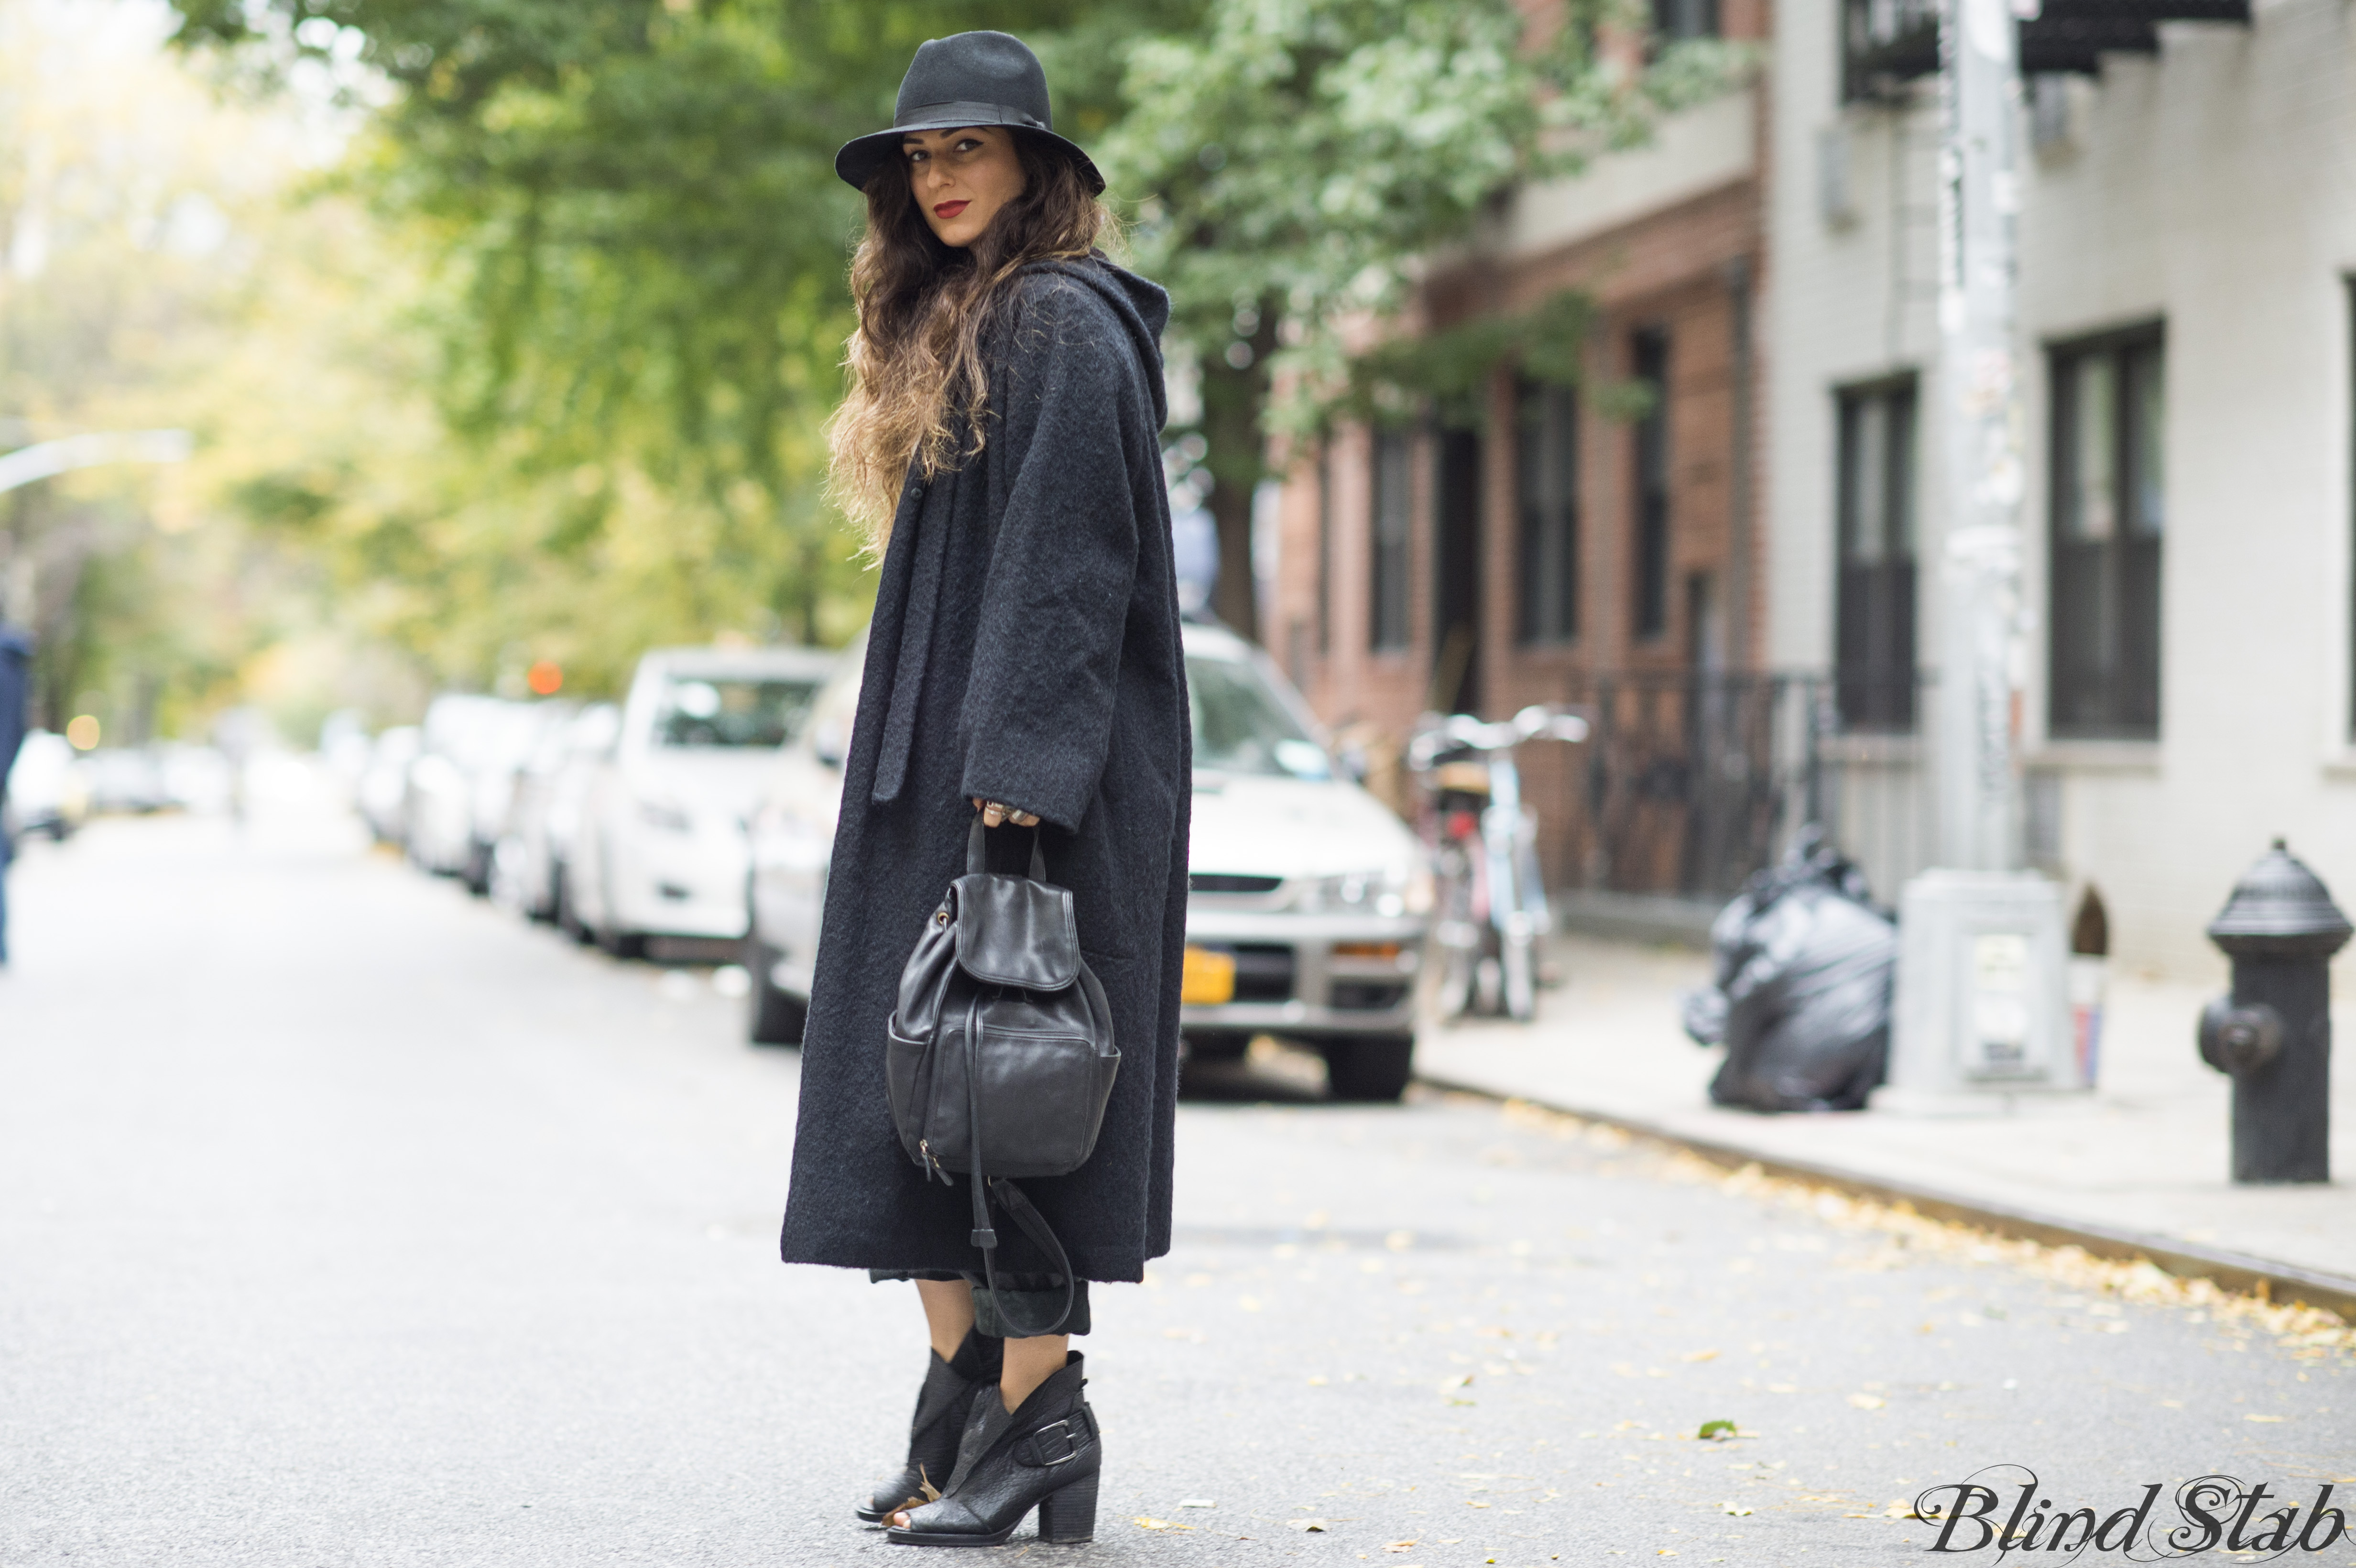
[(15, 663), (1001, 448)]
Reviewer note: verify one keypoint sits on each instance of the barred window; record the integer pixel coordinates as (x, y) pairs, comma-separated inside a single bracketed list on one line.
[(1393, 491), (1874, 637), (1546, 488), (2108, 518)]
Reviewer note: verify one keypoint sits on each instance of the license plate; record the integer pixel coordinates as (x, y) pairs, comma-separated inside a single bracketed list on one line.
[(1210, 978)]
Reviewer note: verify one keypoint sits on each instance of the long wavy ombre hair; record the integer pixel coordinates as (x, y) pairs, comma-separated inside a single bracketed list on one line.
[(919, 386)]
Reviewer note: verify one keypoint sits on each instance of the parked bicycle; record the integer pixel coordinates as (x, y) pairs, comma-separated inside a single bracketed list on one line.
[(1483, 842)]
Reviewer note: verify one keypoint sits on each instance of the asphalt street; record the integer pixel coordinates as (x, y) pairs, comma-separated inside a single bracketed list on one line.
[(345, 1220)]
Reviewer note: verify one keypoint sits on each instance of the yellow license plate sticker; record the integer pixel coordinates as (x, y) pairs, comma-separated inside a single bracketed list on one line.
[(1210, 978)]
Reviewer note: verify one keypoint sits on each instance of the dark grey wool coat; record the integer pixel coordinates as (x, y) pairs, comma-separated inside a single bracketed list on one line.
[(1025, 650)]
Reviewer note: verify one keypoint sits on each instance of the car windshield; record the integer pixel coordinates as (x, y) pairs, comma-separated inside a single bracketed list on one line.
[(1241, 726), (730, 710)]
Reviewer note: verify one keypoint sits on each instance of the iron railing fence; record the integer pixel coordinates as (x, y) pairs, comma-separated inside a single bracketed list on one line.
[(1689, 781)]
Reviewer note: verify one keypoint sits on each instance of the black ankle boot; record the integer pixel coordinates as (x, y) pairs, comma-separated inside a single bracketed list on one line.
[(941, 1410), (1044, 1456)]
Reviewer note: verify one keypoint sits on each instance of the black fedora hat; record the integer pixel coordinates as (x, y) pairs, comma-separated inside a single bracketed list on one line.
[(973, 78)]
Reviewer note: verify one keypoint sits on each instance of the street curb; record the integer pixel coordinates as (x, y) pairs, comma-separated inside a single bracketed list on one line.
[(2232, 1271)]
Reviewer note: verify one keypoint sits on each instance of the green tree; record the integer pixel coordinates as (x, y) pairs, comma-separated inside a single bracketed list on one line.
[(1293, 159), (642, 241)]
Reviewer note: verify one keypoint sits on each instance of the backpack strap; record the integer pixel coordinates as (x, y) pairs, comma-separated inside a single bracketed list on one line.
[(1034, 1225), (977, 859), (1011, 1197)]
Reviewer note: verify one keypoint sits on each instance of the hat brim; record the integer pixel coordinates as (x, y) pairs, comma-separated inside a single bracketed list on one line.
[(859, 158)]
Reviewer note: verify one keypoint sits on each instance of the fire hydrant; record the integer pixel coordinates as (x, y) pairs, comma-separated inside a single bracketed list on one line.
[(2273, 1034)]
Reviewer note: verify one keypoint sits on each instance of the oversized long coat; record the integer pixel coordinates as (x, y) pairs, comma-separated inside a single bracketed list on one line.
[(1025, 650)]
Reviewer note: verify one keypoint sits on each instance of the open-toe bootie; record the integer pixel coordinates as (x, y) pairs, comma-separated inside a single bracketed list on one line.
[(1045, 1456), (947, 1398)]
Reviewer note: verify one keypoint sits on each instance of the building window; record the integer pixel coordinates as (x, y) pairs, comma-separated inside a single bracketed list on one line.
[(1393, 471), (1873, 652), (1547, 485), (1886, 46), (1650, 357), (2109, 515), (1673, 21)]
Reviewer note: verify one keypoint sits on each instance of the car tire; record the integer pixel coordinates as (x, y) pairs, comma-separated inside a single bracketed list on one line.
[(568, 919), (773, 1017), (475, 869), (1216, 1045), (620, 943), (1369, 1067)]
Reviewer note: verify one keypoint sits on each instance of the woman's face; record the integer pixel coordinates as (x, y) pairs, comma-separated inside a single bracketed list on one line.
[(961, 178)]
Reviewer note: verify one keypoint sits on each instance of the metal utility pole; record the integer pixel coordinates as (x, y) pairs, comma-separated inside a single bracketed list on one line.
[(1980, 417), (1982, 1009)]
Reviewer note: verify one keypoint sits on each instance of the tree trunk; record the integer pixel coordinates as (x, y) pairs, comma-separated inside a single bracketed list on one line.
[(1234, 399)]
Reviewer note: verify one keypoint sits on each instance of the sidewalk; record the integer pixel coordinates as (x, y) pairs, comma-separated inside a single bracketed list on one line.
[(2139, 1166)]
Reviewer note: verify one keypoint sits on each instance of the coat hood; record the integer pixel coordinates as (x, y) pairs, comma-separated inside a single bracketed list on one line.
[(1143, 306)]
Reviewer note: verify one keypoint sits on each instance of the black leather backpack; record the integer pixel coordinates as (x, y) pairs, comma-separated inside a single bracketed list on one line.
[(1000, 1055)]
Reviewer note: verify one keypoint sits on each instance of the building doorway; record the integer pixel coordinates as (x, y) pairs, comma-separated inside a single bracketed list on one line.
[(1456, 619)]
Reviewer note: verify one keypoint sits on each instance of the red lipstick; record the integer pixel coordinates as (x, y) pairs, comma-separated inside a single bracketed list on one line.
[(948, 209)]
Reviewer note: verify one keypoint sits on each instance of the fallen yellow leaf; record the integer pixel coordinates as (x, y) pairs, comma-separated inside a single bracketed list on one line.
[(1736, 1509), (1398, 1546), (1868, 1400), (1311, 1524), (1701, 1355), (2261, 1418), (1146, 1523)]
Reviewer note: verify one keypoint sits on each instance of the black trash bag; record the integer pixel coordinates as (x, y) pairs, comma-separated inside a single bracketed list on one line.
[(1802, 965)]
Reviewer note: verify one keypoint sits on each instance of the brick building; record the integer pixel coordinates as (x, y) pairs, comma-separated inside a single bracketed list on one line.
[(1580, 544)]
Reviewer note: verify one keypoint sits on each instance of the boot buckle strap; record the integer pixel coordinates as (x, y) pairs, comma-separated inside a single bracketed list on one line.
[(1040, 1449)]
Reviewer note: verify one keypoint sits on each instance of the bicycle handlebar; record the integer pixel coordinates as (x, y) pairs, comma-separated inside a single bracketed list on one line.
[(1538, 721)]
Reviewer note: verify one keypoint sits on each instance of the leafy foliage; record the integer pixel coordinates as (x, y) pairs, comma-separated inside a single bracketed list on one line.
[(612, 305), (1296, 160), (640, 247)]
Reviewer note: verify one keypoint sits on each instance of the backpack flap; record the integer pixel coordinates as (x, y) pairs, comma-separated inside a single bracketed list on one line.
[(1011, 931)]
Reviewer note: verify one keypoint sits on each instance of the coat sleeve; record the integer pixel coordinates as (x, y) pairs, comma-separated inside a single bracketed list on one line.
[(1039, 699)]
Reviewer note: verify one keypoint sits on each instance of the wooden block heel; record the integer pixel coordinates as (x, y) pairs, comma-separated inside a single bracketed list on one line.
[(1068, 1516)]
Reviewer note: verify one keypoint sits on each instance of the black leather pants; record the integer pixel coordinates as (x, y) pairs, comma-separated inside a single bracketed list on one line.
[(1032, 1298)]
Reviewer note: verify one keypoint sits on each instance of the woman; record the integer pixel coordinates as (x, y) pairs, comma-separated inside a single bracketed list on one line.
[(1023, 662)]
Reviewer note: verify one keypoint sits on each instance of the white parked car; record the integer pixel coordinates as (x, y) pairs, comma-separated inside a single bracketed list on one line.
[(439, 812), (1308, 904), (382, 792), (510, 740), (792, 837), (48, 790), (527, 865), (1308, 899), (660, 848)]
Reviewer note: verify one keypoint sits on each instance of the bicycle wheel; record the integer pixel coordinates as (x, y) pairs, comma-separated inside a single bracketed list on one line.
[(1520, 959), (1458, 937)]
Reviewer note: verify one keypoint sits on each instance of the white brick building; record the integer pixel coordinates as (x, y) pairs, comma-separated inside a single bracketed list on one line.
[(2188, 237)]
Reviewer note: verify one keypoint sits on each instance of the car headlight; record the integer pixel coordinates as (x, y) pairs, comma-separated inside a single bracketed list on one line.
[(668, 814), (1389, 892), (1420, 893)]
